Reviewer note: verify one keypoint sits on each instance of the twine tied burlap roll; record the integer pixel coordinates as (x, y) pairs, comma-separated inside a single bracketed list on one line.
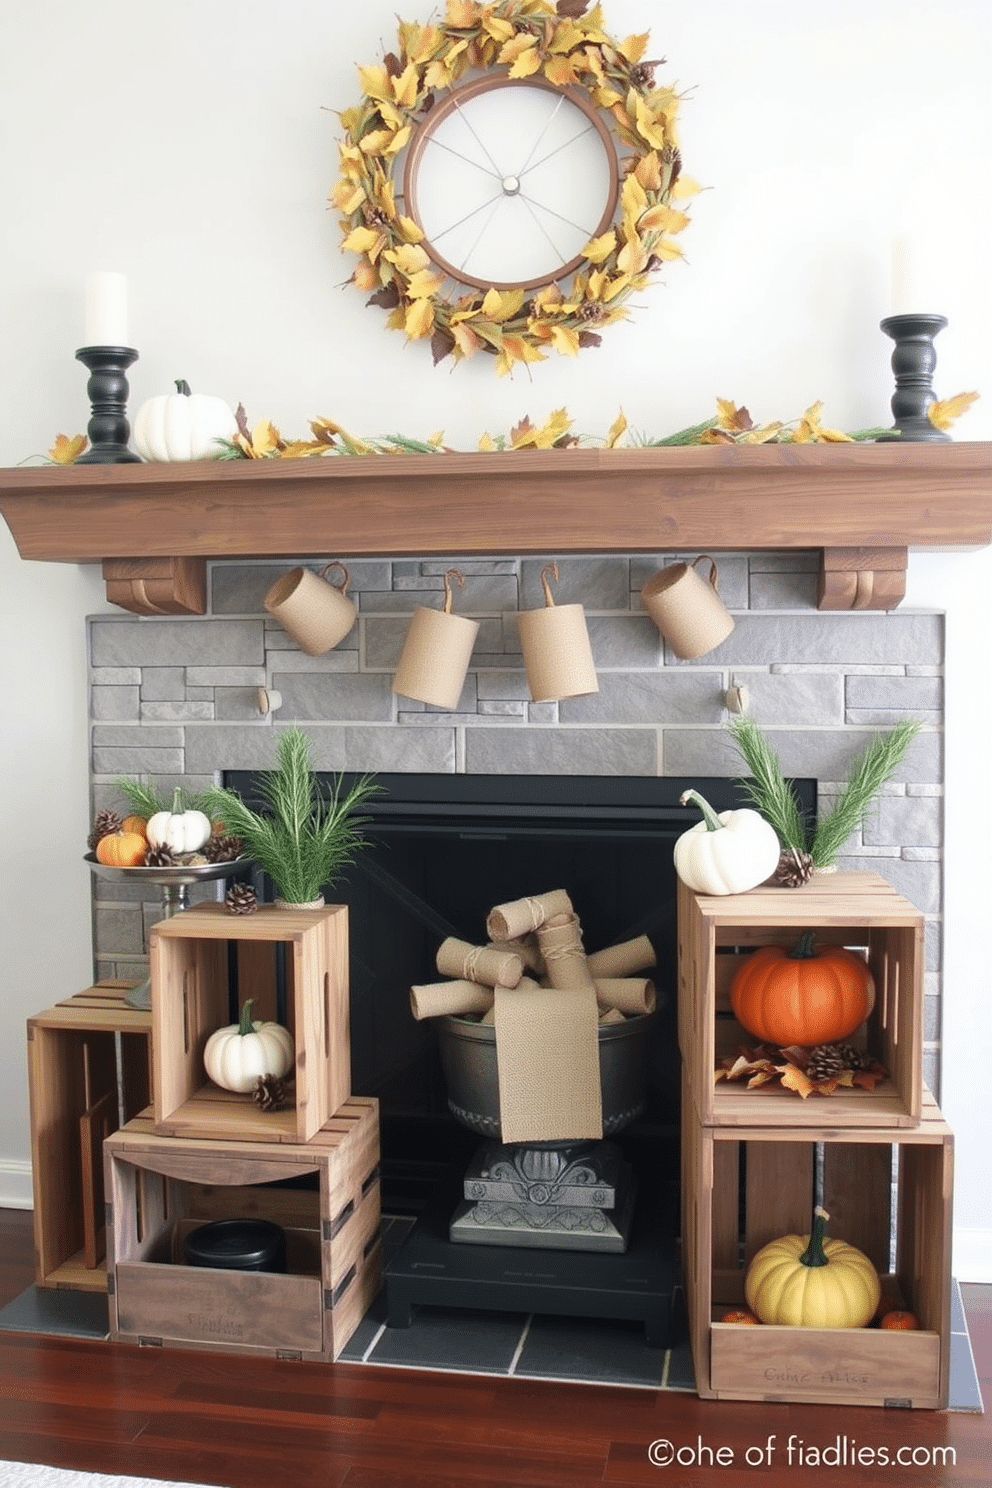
[(565, 963), (689, 613), (436, 652), (450, 999), (556, 649), (547, 1051), (520, 916), (460, 959), (315, 612)]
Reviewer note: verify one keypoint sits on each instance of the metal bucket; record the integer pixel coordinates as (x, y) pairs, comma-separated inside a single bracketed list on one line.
[(468, 1058)]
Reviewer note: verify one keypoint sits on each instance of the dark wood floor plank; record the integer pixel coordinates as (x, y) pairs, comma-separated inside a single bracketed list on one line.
[(258, 1422)]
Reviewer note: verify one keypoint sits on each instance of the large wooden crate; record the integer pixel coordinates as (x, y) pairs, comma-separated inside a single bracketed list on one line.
[(89, 1065), (858, 910), (159, 1188), (743, 1187), (206, 958)]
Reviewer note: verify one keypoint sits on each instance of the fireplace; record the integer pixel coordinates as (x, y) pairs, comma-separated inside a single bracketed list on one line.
[(442, 851)]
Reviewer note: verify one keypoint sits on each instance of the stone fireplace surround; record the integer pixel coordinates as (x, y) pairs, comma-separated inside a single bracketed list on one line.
[(175, 699)]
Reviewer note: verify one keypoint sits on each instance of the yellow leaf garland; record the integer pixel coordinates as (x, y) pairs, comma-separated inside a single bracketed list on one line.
[(564, 43)]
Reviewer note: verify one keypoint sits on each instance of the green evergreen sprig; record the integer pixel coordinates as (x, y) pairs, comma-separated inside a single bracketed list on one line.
[(771, 794), (301, 838)]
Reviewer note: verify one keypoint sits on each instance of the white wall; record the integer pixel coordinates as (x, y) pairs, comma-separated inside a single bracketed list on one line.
[(193, 147)]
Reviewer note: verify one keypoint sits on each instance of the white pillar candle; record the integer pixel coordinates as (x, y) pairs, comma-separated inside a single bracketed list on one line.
[(912, 275), (106, 310)]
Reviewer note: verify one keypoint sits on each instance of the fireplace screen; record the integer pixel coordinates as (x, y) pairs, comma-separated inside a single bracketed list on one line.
[(442, 851)]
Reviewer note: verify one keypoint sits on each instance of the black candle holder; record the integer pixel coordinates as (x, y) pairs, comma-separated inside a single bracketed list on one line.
[(107, 389), (913, 362)]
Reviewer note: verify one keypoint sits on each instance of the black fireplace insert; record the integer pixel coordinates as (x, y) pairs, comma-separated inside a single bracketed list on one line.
[(442, 850)]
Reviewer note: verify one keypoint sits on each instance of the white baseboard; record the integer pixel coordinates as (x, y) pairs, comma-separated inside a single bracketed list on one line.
[(973, 1255), (15, 1185)]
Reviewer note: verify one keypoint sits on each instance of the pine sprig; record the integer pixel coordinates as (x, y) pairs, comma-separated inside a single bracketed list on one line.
[(767, 789), (877, 766), (147, 799), (770, 793), (301, 838)]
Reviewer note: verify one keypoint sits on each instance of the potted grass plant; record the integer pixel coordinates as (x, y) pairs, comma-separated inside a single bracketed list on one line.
[(811, 847), (302, 837)]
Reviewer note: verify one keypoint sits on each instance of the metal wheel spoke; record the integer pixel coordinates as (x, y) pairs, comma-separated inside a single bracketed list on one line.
[(536, 145), (496, 203), (561, 257), (476, 164), (543, 207), (478, 139), (557, 149)]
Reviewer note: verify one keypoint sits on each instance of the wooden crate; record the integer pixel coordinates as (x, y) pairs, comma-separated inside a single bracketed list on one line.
[(199, 958), (858, 910), (743, 1187), (160, 1188), (89, 1063)]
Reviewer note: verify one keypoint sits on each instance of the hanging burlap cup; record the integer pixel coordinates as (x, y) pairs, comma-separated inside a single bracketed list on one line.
[(315, 612), (555, 643), (689, 613), (436, 652)]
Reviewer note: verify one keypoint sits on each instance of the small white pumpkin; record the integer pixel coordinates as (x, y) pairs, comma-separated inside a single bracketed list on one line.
[(183, 426), (728, 853), (237, 1055), (180, 831)]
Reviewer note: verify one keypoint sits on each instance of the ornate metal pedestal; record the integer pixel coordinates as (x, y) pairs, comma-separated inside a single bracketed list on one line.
[(557, 1195)]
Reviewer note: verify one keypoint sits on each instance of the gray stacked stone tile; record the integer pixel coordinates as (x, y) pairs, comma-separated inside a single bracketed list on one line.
[(175, 700)]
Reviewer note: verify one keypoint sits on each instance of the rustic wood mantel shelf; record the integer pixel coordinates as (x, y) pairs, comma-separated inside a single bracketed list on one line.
[(154, 526)]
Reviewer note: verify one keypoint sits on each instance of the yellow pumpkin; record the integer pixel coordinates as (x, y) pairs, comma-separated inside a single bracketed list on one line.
[(809, 1281), (121, 850)]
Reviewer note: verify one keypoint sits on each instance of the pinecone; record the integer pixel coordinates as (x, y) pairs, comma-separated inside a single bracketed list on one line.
[(591, 311), (104, 824), (241, 900), (269, 1093), (222, 847), (642, 75), (827, 1060), (795, 868), (159, 857)]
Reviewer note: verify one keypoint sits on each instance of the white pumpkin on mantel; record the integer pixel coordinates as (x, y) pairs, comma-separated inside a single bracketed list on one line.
[(183, 426)]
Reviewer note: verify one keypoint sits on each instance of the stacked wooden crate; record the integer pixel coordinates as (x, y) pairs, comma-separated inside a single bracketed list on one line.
[(201, 1153), (748, 1154)]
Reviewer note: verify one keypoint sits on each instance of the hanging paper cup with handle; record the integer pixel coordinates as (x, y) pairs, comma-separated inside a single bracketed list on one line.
[(315, 612), (686, 609), (555, 643), (436, 652)]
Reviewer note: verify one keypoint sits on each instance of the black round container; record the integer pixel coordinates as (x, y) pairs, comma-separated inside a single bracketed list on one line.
[(237, 1245)]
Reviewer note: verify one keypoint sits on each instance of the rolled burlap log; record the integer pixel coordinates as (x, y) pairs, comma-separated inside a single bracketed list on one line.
[(511, 921), (624, 959), (457, 958), (630, 996), (450, 999), (566, 967), (526, 948)]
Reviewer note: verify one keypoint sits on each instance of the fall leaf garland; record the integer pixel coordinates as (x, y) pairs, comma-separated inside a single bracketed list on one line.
[(566, 45)]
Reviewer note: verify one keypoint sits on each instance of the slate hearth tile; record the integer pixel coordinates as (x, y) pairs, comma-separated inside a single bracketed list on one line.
[(567, 751), (607, 1351), (198, 642), (52, 1310), (794, 697), (453, 1338), (597, 583), (782, 591)]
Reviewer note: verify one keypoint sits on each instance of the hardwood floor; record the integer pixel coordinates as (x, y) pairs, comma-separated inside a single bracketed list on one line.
[(259, 1423)]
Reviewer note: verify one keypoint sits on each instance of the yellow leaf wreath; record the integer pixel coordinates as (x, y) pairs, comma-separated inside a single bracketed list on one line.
[(567, 45)]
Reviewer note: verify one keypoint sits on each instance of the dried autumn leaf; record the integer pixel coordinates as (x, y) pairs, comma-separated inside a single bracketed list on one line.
[(502, 305), (943, 412), (419, 320), (617, 430), (597, 250), (463, 15), (763, 1077), (560, 71), (66, 450), (527, 63), (794, 1079), (571, 9), (565, 340), (365, 240), (730, 417), (424, 284)]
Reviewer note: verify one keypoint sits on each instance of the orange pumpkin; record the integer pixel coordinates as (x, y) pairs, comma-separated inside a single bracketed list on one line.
[(809, 995), (899, 1318), (122, 850), (135, 824), (739, 1315)]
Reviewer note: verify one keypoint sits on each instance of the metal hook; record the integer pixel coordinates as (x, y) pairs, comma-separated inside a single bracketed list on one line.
[(452, 573)]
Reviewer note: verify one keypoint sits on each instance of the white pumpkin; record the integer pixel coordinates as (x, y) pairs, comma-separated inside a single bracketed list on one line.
[(182, 426), (237, 1055), (180, 831), (728, 853)]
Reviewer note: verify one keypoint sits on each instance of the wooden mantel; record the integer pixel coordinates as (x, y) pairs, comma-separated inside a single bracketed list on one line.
[(154, 526)]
